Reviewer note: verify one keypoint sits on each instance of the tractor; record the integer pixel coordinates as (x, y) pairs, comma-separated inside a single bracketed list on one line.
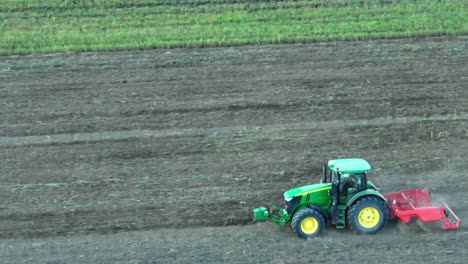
[(345, 197)]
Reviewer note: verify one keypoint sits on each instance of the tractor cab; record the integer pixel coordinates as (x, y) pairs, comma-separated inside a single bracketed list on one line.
[(348, 177)]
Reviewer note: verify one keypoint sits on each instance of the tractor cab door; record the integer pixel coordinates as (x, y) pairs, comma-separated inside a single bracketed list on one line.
[(343, 187), (347, 187)]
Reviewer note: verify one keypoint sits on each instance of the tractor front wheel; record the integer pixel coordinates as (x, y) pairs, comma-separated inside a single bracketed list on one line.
[(308, 223), (368, 215)]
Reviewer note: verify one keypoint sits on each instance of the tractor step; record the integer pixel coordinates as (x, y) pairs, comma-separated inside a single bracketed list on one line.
[(416, 203), (341, 216)]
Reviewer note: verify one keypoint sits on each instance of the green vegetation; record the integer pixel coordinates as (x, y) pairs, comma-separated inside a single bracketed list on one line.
[(44, 26)]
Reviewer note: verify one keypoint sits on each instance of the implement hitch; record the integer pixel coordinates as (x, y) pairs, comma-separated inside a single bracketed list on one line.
[(280, 218)]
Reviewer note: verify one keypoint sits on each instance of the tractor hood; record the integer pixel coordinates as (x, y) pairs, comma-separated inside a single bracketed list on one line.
[(306, 190)]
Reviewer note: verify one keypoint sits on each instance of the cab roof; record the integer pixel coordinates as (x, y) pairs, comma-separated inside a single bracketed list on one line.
[(349, 165)]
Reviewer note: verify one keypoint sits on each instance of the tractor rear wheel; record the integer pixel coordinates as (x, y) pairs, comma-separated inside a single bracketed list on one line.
[(308, 223), (368, 215)]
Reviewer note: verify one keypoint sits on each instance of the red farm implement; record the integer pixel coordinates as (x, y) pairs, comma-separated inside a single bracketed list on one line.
[(416, 204)]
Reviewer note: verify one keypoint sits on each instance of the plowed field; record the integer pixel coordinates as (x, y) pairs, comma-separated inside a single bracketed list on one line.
[(159, 156)]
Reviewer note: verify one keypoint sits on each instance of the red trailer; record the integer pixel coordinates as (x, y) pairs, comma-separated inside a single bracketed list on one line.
[(416, 203)]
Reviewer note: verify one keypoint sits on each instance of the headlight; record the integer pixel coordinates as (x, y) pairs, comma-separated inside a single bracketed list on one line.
[(288, 199)]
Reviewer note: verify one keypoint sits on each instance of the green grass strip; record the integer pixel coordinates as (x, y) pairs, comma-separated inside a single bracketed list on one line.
[(48, 26)]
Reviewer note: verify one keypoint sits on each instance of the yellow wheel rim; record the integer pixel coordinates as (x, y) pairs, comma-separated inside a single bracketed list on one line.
[(369, 217), (309, 225)]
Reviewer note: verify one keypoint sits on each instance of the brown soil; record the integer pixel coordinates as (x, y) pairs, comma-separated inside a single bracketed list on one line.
[(181, 144)]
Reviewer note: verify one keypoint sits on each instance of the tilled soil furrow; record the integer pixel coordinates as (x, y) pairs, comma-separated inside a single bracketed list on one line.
[(193, 132)]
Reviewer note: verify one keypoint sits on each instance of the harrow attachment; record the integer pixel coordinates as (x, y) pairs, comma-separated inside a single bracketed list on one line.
[(416, 204)]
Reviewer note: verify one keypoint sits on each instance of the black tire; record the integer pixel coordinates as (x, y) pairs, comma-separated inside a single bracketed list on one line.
[(368, 215), (308, 223)]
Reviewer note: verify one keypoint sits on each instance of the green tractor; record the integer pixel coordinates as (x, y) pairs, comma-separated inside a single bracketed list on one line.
[(344, 197)]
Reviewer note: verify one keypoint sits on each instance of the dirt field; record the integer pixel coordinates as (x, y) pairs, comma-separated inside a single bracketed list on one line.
[(177, 146)]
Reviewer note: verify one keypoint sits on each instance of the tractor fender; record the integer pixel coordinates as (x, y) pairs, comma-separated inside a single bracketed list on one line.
[(368, 192)]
